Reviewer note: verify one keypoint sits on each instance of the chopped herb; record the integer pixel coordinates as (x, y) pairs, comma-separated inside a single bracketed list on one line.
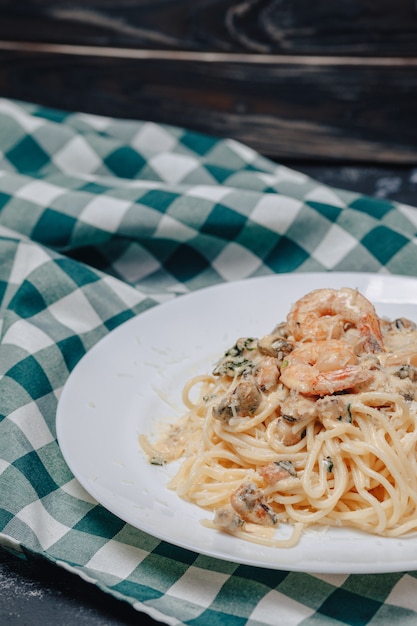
[(328, 464), (230, 367), (348, 417), (289, 418), (245, 343), (234, 360), (287, 466), (268, 510), (157, 460)]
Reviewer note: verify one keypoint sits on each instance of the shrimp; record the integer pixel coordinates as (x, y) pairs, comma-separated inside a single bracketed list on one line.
[(330, 313), (321, 368)]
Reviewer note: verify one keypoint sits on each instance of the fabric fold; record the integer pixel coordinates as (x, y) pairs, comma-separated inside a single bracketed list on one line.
[(101, 219)]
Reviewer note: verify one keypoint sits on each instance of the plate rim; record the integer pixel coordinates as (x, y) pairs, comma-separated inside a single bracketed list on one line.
[(180, 301)]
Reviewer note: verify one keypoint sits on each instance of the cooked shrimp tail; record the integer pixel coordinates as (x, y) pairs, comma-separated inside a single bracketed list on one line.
[(332, 314), (322, 368)]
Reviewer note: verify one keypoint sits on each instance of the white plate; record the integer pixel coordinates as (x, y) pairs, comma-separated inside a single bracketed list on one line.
[(132, 380)]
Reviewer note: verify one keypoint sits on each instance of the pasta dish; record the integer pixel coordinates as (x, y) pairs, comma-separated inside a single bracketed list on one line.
[(312, 424)]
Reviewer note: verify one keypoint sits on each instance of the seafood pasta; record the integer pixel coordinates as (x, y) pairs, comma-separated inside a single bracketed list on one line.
[(312, 424)]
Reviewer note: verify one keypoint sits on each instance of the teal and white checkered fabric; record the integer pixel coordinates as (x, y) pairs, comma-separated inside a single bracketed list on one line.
[(101, 219)]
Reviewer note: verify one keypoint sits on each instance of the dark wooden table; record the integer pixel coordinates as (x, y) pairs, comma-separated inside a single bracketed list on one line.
[(328, 88), (294, 79)]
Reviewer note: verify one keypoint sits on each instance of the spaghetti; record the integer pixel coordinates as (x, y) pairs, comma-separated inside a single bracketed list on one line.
[(313, 424)]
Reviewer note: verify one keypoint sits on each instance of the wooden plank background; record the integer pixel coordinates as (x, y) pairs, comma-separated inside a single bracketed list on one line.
[(324, 80)]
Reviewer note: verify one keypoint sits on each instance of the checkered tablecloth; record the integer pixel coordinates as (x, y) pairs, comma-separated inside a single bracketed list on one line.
[(101, 219)]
